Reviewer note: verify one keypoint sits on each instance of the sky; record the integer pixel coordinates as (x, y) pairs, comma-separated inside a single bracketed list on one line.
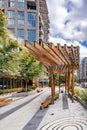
[(68, 23)]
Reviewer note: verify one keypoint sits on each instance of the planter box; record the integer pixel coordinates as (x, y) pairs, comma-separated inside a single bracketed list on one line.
[(82, 102)]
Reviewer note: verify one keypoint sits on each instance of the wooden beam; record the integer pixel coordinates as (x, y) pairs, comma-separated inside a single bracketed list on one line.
[(38, 55), (56, 51), (67, 52), (52, 53), (58, 70), (46, 53), (42, 60), (73, 53), (61, 51)]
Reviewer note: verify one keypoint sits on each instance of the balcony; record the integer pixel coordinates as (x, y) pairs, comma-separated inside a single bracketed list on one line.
[(41, 22), (40, 39), (31, 4), (41, 31)]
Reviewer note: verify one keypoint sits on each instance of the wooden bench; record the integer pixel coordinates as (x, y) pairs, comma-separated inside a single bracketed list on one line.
[(48, 101), (4, 101), (8, 100)]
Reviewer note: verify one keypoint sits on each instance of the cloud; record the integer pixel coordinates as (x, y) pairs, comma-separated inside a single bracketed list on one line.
[(83, 49), (68, 22)]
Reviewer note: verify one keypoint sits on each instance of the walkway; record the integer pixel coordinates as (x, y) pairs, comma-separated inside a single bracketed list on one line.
[(24, 114)]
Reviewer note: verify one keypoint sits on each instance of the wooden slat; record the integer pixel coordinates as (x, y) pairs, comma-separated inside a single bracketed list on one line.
[(39, 56), (52, 53), (74, 57), (46, 53), (67, 51), (50, 56), (61, 51), (54, 49)]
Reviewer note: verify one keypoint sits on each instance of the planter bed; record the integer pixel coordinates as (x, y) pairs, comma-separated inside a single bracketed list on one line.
[(81, 101)]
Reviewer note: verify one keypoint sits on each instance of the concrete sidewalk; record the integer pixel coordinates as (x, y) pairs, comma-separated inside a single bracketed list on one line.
[(24, 114)]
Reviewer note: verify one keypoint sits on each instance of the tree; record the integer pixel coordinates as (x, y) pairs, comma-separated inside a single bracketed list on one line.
[(30, 68), (3, 29), (8, 49)]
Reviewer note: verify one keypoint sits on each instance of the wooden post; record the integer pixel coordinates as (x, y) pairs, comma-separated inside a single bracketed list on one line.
[(65, 83), (72, 84), (52, 86), (59, 83), (68, 81)]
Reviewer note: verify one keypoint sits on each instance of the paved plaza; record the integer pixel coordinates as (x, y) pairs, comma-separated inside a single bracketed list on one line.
[(24, 113)]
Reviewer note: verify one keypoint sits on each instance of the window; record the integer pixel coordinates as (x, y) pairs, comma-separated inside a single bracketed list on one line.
[(20, 18), (31, 35), (11, 3), (11, 14), (21, 35), (20, 4), (32, 19), (1, 3), (10, 17)]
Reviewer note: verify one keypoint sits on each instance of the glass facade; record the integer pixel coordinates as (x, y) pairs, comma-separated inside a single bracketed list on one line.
[(31, 35), (11, 17), (21, 35), (20, 4), (11, 3), (20, 18), (32, 19)]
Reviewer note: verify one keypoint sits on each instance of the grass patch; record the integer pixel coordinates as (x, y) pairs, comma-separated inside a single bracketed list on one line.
[(82, 93)]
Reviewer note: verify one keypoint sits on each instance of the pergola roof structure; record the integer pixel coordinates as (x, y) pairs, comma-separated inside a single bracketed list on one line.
[(55, 58)]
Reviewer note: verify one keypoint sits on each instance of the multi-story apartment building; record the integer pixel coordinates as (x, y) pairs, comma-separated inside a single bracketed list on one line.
[(82, 72), (27, 19)]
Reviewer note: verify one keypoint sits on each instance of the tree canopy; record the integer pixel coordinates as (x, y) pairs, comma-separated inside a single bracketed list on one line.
[(12, 60)]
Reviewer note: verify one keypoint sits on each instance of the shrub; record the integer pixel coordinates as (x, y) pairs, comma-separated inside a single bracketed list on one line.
[(31, 88), (10, 90), (84, 96), (78, 91)]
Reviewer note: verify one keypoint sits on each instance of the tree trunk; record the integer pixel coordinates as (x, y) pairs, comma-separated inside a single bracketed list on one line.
[(26, 86)]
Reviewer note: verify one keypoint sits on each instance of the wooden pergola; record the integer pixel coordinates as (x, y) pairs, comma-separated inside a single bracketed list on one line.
[(57, 59)]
